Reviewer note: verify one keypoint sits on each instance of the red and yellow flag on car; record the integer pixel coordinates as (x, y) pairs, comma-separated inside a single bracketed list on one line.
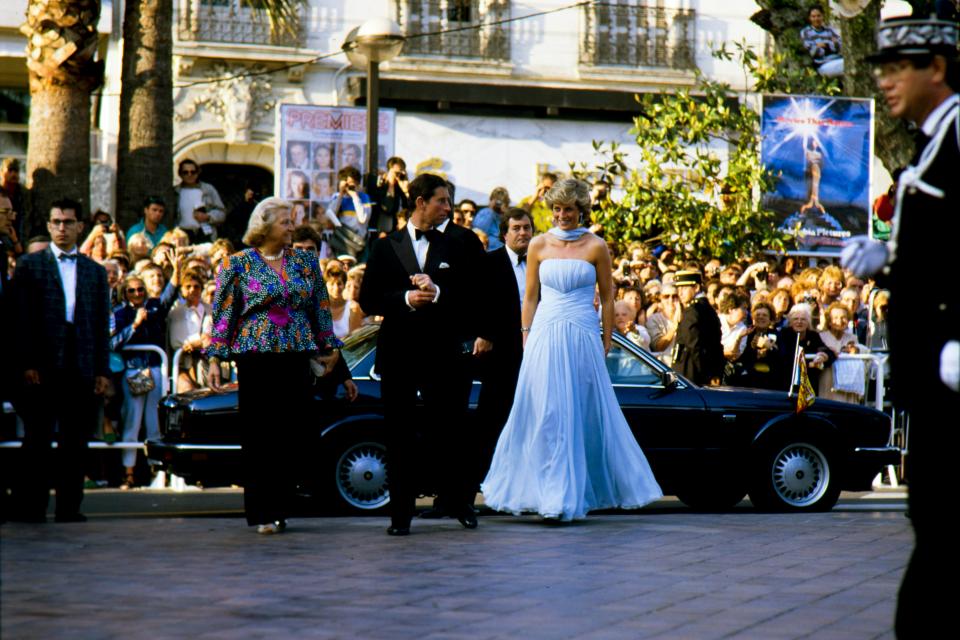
[(805, 393)]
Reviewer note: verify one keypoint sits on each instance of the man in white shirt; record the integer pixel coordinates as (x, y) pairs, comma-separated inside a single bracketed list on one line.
[(199, 206)]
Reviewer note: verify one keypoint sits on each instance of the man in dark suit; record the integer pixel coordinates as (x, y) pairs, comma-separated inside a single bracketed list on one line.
[(63, 320), (507, 272), (417, 280), (918, 72), (699, 350)]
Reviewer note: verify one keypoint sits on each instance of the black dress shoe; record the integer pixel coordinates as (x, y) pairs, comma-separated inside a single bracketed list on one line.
[(393, 530), (468, 518), (70, 517)]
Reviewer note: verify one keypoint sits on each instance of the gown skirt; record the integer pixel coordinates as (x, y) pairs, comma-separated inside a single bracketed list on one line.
[(566, 448)]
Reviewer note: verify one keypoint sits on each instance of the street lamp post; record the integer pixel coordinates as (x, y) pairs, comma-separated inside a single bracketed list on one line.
[(376, 40)]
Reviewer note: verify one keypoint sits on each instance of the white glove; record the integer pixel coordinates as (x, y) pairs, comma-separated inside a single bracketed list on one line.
[(863, 256), (950, 365)]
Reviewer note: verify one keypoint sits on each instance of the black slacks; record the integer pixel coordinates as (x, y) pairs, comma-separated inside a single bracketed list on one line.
[(428, 442), (63, 400), (274, 394)]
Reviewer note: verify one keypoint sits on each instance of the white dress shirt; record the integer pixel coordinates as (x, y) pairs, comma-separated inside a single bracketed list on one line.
[(420, 247), (185, 323), (68, 278), (519, 271), (190, 199)]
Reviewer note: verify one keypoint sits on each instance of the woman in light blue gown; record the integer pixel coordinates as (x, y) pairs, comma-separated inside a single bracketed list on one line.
[(566, 448)]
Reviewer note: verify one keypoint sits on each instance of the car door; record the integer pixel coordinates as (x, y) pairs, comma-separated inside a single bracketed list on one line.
[(669, 420)]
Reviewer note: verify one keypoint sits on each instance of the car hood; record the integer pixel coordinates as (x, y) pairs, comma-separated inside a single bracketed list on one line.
[(762, 399)]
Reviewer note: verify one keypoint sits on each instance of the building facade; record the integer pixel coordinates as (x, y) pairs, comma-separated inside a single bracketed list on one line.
[(490, 92)]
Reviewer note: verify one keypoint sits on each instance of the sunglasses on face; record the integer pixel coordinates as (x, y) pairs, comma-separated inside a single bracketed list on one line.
[(136, 290), (188, 172)]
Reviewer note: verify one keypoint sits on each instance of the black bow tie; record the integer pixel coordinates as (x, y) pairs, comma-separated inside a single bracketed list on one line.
[(521, 259), (67, 256), (431, 235)]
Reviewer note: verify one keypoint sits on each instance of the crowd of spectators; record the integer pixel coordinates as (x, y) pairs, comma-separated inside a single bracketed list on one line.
[(162, 282)]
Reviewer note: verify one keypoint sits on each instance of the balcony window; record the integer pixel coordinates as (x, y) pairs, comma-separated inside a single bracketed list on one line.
[(228, 22), (626, 33), (467, 26)]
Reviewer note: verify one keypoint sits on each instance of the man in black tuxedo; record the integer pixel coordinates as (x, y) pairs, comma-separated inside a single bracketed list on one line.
[(63, 320), (506, 270), (699, 350), (417, 280)]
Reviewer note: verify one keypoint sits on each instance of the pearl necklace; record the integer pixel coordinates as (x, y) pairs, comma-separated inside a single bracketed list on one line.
[(271, 258)]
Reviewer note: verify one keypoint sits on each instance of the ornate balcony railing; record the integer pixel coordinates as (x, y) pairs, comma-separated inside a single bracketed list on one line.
[(470, 25), (228, 22), (625, 33)]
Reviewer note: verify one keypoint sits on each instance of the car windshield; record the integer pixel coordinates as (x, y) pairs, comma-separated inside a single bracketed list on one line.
[(358, 344)]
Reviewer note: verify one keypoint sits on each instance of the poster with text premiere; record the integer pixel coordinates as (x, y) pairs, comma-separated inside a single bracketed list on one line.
[(821, 149), (315, 142)]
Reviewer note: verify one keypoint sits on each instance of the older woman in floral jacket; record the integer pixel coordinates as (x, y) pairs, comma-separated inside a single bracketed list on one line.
[(271, 316)]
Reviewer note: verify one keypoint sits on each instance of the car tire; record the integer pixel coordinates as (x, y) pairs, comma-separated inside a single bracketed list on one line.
[(356, 474), (795, 474), (709, 498)]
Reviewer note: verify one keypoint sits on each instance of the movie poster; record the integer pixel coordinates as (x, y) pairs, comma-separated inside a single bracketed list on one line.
[(821, 148), (315, 142)]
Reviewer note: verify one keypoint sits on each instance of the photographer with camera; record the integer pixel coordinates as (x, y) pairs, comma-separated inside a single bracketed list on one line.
[(392, 193), (104, 238), (535, 205), (349, 212), (489, 218)]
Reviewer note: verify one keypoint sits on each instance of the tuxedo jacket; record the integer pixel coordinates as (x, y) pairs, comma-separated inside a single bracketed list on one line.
[(700, 352), (428, 337), (41, 315), (479, 319), (504, 317)]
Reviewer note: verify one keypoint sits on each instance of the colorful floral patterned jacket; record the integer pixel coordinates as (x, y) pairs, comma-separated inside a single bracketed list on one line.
[(257, 310)]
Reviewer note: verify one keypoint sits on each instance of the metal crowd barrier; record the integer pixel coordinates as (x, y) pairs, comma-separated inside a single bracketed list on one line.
[(880, 363), (165, 387)]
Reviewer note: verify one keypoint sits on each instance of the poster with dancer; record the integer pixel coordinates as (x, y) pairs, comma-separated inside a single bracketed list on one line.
[(821, 149), (315, 142)]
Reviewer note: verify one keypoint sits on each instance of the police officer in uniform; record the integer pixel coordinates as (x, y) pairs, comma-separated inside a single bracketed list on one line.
[(699, 355), (917, 71)]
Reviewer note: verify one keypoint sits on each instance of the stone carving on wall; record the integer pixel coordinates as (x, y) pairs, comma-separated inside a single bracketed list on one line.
[(239, 100)]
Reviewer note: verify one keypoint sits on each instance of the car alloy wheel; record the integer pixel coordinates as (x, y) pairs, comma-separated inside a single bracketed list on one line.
[(362, 476), (800, 475)]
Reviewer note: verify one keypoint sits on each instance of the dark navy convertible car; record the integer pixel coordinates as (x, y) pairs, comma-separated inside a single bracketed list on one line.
[(708, 446)]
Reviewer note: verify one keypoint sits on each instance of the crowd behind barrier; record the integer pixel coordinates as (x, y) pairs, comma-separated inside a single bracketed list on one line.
[(162, 282)]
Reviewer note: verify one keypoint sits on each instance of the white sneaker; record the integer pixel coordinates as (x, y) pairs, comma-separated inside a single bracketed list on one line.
[(271, 528)]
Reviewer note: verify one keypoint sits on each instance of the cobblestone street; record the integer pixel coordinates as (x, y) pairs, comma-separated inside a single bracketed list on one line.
[(665, 574)]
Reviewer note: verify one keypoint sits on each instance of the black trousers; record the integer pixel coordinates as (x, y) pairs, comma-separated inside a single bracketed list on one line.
[(427, 444), (274, 394), (63, 400)]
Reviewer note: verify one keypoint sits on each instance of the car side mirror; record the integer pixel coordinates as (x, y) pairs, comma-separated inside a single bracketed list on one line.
[(669, 379)]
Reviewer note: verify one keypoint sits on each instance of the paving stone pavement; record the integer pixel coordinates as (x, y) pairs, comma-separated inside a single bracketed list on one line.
[(647, 575)]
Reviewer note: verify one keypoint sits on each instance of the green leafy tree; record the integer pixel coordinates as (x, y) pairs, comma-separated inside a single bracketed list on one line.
[(681, 192)]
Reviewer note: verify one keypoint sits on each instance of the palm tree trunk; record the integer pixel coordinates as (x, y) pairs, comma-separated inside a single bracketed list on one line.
[(61, 46), (145, 145)]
